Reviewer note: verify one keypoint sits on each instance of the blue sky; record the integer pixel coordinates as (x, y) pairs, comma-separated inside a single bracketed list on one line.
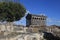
[(51, 8)]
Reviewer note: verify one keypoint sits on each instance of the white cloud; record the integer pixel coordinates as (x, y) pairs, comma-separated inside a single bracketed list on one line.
[(27, 12), (51, 21), (58, 21), (23, 20), (42, 14)]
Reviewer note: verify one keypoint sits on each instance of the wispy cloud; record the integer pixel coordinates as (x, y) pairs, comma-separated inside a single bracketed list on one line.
[(23, 20), (51, 21)]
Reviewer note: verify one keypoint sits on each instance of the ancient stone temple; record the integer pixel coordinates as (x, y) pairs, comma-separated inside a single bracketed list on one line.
[(35, 20)]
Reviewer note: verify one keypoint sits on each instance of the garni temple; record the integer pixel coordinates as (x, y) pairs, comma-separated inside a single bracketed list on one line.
[(35, 20)]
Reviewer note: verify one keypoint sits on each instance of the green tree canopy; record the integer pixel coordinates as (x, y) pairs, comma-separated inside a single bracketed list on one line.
[(11, 11)]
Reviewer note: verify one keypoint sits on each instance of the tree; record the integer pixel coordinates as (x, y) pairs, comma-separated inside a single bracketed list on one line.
[(11, 11)]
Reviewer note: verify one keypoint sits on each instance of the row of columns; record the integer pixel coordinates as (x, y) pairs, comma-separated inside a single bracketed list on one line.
[(40, 18)]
